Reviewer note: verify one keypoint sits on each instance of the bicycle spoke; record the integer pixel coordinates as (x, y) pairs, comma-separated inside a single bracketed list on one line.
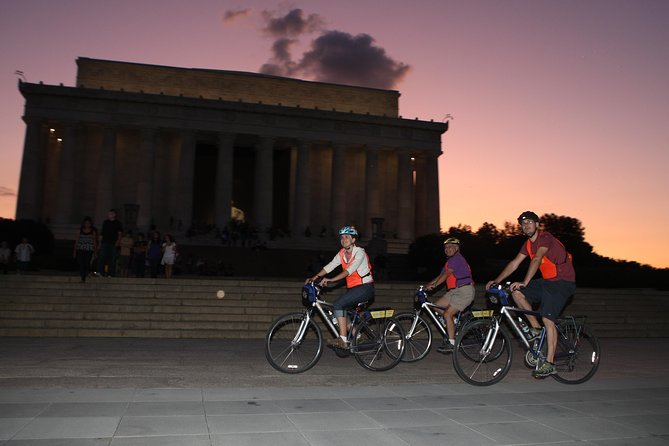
[(286, 353), (418, 339), (577, 356), (479, 359)]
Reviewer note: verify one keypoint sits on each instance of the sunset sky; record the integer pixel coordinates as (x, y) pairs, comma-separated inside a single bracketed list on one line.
[(555, 106)]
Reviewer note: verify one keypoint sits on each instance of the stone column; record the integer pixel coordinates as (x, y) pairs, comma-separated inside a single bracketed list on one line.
[(338, 193), (146, 177), (224, 175), (264, 182), (372, 194), (302, 205), (29, 201), (63, 214), (105, 189), (432, 224), (405, 195), (420, 197), (185, 181)]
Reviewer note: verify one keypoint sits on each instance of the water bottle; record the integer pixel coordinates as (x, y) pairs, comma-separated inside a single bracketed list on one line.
[(334, 319), (524, 327)]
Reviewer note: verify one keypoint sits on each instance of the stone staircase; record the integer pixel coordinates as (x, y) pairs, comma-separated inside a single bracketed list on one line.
[(61, 306)]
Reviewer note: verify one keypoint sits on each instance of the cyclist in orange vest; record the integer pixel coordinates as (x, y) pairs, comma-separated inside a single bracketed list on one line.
[(458, 277), (357, 270), (549, 256)]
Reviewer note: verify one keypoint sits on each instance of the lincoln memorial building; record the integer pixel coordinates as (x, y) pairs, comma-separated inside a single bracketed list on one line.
[(175, 147)]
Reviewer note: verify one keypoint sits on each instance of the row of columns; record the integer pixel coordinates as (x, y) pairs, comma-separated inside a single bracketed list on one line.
[(421, 176)]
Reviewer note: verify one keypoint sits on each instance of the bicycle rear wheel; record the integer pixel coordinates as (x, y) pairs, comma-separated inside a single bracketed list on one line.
[(475, 360), (288, 354), (418, 340), (378, 344), (577, 355)]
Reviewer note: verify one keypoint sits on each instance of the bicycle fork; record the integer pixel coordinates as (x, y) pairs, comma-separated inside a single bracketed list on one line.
[(302, 329), (491, 336)]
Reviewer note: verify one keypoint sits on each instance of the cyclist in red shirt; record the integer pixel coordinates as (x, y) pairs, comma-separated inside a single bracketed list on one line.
[(551, 292)]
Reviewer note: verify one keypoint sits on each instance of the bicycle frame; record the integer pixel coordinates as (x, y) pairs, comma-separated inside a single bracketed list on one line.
[(318, 307), (510, 313)]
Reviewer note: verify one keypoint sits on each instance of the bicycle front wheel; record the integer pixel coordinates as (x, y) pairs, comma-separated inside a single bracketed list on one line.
[(289, 352), (478, 359), (418, 338), (577, 355), (378, 344)]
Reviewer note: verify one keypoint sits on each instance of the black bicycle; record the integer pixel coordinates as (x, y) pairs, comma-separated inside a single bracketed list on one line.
[(294, 341), (483, 350), (417, 329)]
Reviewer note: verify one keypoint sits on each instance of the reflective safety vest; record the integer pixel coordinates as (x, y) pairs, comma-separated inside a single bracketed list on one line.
[(355, 279), (547, 267), (452, 281)]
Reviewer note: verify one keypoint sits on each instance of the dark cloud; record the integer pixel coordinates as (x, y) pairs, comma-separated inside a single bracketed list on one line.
[(334, 56), (7, 192), (339, 57), (292, 24), (231, 16), (281, 64)]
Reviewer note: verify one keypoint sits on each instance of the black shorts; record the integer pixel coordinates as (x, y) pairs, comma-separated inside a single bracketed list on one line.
[(551, 295)]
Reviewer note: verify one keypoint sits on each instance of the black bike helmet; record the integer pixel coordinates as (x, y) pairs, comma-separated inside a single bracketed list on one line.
[(528, 215)]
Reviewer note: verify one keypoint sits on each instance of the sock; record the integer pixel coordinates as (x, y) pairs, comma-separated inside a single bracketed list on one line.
[(342, 337), (452, 341)]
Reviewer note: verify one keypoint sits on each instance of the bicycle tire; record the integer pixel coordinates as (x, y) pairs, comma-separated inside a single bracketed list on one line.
[(473, 367), (378, 344), (283, 353), (576, 357), (418, 343)]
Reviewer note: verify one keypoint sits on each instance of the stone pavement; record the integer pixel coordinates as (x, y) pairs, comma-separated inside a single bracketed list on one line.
[(118, 392)]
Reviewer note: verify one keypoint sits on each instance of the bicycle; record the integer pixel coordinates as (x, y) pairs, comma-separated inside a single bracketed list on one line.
[(483, 352), (417, 331), (294, 341)]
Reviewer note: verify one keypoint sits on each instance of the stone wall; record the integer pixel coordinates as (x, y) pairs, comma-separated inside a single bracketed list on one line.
[(234, 86)]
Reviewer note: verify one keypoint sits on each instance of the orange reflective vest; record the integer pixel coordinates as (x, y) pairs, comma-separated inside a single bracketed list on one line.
[(547, 267), (354, 279), (452, 281)]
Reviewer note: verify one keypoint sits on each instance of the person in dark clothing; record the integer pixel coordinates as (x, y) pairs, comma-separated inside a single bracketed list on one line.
[(110, 240)]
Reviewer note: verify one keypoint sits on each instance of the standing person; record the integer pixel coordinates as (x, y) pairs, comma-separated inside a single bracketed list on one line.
[(154, 253), (169, 255), (126, 243), (139, 255), (111, 233), (5, 255), (357, 270), (24, 252), (85, 246), (458, 277), (551, 292)]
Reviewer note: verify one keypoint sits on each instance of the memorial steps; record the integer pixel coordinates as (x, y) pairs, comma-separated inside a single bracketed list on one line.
[(61, 306)]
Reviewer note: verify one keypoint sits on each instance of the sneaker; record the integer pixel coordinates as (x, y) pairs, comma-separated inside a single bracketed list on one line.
[(546, 369), (338, 343), (446, 348), (534, 333)]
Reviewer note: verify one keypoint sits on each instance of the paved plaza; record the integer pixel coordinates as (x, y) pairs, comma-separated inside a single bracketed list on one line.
[(83, 392)]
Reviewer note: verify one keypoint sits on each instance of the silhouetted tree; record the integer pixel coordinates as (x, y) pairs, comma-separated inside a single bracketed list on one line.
[(488, 249)]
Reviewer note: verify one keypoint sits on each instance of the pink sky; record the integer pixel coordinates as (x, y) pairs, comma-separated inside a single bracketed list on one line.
[(558, 106)]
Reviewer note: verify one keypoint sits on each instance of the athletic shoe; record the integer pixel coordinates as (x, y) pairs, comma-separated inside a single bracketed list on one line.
[(446, 348), (546, 369), (338, 343)]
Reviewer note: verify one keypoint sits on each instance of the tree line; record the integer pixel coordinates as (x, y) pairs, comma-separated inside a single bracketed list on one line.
[(489, 248)]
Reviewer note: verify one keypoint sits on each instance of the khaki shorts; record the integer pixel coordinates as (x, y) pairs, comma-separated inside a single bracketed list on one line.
[(459, 298)]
